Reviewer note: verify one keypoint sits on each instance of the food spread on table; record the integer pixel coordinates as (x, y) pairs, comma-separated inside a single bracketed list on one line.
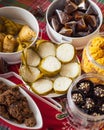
[(49, 68)]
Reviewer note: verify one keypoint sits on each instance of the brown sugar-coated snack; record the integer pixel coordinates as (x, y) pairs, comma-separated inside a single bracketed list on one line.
[(14, 106)]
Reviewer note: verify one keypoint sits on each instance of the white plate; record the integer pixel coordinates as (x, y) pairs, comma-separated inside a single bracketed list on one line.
[(33, 106), (50, 95)]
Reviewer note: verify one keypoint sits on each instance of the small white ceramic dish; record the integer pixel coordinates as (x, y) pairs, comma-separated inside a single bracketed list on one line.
[(78, 42), (22, 16), (33, 107)]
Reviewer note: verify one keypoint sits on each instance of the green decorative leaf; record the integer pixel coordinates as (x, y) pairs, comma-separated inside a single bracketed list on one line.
[(61, 116)]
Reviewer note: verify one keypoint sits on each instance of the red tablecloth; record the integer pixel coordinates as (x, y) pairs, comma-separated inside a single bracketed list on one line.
[(51, 117)]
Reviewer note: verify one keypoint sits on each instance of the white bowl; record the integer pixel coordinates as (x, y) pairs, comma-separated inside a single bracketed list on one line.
[(23, 16), (33, 106), (78, 42)]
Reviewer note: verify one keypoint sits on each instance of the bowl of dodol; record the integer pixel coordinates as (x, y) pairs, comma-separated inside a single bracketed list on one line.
[(19, 29), (73, 21)]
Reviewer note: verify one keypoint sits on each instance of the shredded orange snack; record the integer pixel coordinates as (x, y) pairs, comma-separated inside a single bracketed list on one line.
[(96, 50)]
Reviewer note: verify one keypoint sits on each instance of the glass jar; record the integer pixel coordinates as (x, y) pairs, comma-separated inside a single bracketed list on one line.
[(93, 55), (78, 118)]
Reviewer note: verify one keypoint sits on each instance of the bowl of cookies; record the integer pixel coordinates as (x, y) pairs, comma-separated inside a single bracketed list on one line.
[(19, 29), (73, 21)]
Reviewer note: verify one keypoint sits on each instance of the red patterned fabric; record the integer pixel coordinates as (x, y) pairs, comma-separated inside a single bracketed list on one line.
[(49, 114)]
